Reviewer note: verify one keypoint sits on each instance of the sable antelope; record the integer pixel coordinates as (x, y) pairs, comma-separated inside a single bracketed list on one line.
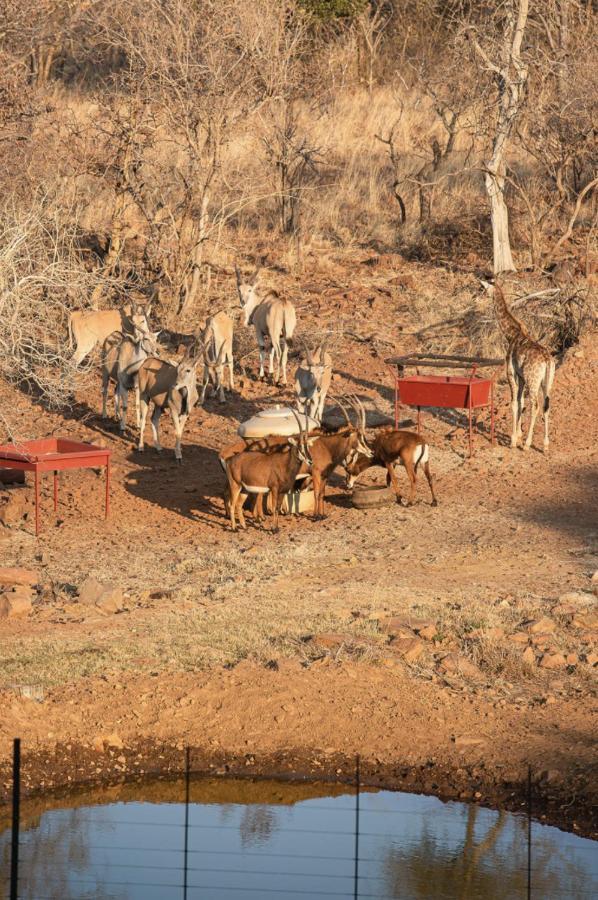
[(217, 341), (272, 471), (123, 356), (263, 445), (90, 327), (331, 449), (167, 386), (274, 319), (312, 381), (390, 446), (530, 367)]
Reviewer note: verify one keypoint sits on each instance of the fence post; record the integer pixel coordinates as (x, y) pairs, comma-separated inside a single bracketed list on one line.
[(529, 832), (16, 817), (186, 848), (357, 786)]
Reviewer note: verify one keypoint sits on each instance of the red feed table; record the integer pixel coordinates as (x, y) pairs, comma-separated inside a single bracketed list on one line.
[(444, 391), (55, 455)]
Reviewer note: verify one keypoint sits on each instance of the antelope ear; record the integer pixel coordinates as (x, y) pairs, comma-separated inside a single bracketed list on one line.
[(155, 334), (312, 440), (292, 441)]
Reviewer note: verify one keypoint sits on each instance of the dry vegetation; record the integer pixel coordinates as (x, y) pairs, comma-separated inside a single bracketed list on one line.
[(154, 143)]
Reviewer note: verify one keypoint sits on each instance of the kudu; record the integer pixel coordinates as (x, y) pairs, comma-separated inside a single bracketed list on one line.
[(312, 381), (123, 356), (331, 449), (274, 319), (271, 471), (171, 387), (217, 341), (90, 327), (390, 446)]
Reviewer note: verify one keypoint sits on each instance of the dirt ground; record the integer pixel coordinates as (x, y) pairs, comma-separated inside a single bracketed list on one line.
[(407, 635)]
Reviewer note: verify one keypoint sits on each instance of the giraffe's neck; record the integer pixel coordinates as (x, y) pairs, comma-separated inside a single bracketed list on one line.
[(510, 326)]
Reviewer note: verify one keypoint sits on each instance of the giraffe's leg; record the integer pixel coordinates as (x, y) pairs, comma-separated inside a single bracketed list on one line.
[(534, 384), (514, 401), (547, 387)]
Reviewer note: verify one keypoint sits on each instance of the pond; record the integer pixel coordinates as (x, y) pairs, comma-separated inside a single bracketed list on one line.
[(264, 839)]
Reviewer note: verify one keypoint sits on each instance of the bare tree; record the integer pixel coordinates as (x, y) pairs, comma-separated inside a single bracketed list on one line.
[(500, 56)]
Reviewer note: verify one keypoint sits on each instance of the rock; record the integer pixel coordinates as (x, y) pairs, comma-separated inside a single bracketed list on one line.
[(12, 576), (331, 640), (103, 741), (572, 659), (519, 637), (409, 648), (542, 640), (588, 637), (587, 620), (90, 591), (592, 659), (529, 657), (541, 626), (14, 509), (454, 664), (463, 742), (418, 625), (15, 605), (114, 741), (12, 476), (110, 600), (576, 598), (396, 627), (553, 661), (429, 632)]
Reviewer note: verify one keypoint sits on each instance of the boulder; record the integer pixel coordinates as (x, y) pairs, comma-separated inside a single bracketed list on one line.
[(587, 621), (541, 626), (111, 600), (409, 648), (455, 664), (14, 509), (331, 640), (90, 591), (553, 661), (396, 627), (519, 637), (429, 632), (15, 605), (13, 576)]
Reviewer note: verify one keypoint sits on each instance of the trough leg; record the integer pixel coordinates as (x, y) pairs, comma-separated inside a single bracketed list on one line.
[(55, 491)]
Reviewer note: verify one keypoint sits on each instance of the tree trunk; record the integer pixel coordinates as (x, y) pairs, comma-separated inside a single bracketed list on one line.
[(499, 216)]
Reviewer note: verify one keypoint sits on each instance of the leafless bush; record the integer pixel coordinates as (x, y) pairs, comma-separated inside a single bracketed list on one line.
[(41, 279)]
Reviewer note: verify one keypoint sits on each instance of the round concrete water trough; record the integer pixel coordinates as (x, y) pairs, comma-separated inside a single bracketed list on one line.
[(372, 496), (278, 420)]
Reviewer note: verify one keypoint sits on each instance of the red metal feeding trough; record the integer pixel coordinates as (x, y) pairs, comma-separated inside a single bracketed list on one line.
[(54, 455), (444, 391)]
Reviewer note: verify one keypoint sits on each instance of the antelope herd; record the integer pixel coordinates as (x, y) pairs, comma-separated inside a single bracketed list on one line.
[(272, 467)]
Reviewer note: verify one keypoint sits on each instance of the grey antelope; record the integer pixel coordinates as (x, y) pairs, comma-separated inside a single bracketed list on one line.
[(217, 341), (312, 381), (530, 368), (266, 471), (171, 387), (388, 447), (90, 327), (274, 319), (331, 448), (123, 356)]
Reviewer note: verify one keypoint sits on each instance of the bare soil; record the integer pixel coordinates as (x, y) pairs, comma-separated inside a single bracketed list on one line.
[(271, 652)]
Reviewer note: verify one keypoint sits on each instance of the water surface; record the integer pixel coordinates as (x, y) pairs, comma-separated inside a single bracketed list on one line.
[(258, 839)]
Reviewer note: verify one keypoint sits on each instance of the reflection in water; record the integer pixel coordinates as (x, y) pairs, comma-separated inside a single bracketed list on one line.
[(269, 840)]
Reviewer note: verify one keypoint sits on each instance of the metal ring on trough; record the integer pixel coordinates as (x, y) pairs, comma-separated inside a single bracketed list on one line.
[(371, 496)]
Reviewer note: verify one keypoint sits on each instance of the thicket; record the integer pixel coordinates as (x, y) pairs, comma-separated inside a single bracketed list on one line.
[(156, 141)]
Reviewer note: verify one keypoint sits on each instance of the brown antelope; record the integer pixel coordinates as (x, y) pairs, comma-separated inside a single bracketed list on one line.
[(530, 367), (263, 445), (123, 356), (312, 382), (331, 449), (274, 320), (90, 327), (272, 471), (217, 341), (388, 447), (171, 387)]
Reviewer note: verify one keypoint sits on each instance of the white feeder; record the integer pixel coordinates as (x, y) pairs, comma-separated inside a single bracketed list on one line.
[(277, 420)]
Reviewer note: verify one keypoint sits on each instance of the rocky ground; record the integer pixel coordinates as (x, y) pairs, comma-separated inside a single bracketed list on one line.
[(451, 647)]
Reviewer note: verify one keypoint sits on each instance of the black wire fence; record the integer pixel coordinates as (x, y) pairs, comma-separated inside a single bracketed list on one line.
[(347, 845)]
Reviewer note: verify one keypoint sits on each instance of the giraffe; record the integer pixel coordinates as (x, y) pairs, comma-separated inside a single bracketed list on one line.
[(530, 366)]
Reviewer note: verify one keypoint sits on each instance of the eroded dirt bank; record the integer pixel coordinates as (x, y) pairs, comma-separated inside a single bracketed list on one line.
[(311, 722)]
